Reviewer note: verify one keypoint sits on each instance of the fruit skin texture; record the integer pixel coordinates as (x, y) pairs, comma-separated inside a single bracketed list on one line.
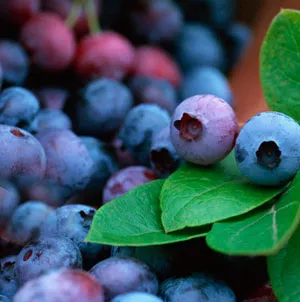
[(125, 180), (50, 42), (18, 106), (163, 156), (138, 129), (106, 54), (68, 160), (196, 288), (45, 254), (154, 62), (203, 129), (206, 80), (21, 154), (20, 11), (147, 90), (73, 221), (136, 297), (26, 220), (119, 275), (14, 62), (8, 282), (61, 286), (102, 107), (4, 299), (9, 200), (283, 133), (198, 46)]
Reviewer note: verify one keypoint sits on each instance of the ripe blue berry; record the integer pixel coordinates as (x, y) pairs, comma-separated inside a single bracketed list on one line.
[(206, 80), (136, 297), (61, 285), (196, 288), (8, 282), (139, 127), (26, 220), (267, 149), (45, 254), (163, 156), (119, 275), (203, 129), (18, 106), (4, 298)]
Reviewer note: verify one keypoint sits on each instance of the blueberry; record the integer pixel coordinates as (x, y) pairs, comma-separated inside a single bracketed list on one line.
[(206, 80), (104, 164), (119, 275), (8, 282), (102, 108), (20, 154), (203, 129), (9, 200), (123, 156), (14, 62), (163, 156), (73, 221), (267, 148), (26, 220), (49, 119), (196, 288), (136, 297), (68, 160), (161, 259), (199, 46), (52, 97), (125, 180), (139, 127), (147, 90), (17, 106), (61, 285), (156, 20), (4, 299), (45, 254), (238, 36)]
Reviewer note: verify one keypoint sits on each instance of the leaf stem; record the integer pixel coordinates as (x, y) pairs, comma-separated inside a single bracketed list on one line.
[(74, 13), (91, 12)]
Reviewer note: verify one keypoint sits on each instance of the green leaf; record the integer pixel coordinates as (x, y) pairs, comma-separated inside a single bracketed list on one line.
[(134, 220), (195, 196), (280, 64), (284, 270), (262, 232)]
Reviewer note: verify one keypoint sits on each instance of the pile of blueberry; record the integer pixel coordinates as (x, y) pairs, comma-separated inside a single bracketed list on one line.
[(87, 113)]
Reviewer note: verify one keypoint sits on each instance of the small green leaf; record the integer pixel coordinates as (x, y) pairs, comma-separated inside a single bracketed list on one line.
[(280, 64), (284, 270), (195, 196), (262, 232), (134, 220)]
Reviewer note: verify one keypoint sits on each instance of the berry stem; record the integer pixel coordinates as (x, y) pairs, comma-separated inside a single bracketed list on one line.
[(91, 12), (74, 13)]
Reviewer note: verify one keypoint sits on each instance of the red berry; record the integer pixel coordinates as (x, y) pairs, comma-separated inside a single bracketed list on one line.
[(20, 11), (49, 41), (262, 294), (154, 62), (105, 54)]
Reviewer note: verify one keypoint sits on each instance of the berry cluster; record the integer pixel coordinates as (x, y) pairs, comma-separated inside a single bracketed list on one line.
[(89, 113)]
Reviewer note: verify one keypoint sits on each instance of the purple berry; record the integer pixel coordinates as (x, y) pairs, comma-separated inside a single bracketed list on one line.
[(125, 180), (163, 156), (8, 282), (73, 221), (68, 160), (26, 220), (196, 288), (18, 106), (61, 286), (203, 129), (119, 275), (45, 254), (21, 154), (9, 200)]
